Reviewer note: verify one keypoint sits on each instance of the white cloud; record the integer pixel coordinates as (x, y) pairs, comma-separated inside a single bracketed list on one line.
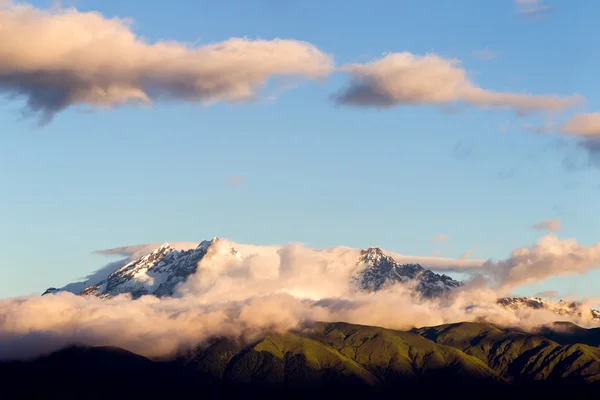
[(405, 78), (549, 257), (57, 58), (548, 225)]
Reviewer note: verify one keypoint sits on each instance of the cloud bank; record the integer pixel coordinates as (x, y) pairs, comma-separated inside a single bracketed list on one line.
[(408, 79), (274, 288), (58, 58), (548, 257)]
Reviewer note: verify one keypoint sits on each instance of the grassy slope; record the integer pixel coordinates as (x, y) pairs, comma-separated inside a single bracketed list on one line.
[(518, 355)]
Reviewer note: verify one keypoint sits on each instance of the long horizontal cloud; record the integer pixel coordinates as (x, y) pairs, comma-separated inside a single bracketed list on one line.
[(140, 250), (405, 78), (549, 257), (268, 288), (584, 125), (61, 57)]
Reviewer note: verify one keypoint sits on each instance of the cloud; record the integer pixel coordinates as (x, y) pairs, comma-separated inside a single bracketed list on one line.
[(57, 58), (408, 79), (531, 7), (548, 225), (485, 55), (439, 238), (549, 257), (467, 254), (269, 288), (584, 125), (140, 250), (548, 294)]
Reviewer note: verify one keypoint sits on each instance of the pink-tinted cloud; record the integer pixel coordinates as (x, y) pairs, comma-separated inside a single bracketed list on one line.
[(56, 58), (405, 79)]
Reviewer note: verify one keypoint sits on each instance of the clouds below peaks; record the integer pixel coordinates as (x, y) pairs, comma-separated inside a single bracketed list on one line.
[(274, 288)]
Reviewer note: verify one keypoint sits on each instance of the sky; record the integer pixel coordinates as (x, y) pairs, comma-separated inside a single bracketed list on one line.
[(309, 160)]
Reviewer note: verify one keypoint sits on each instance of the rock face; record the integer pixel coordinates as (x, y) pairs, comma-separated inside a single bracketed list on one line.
[(160, 272), (563, 308), (157, 273), (383, 270)]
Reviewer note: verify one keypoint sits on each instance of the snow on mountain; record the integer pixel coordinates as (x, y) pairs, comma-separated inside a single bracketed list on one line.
[(382, 270), (160, 272), (563, 308), (157, 273)]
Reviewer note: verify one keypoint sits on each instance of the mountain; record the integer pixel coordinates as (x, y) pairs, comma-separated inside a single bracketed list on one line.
[(562, 308), (328, 359), (159, 272), (517, 355), (382, 270)]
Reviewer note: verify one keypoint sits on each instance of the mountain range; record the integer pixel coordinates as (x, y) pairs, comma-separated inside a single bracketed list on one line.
[(466, 360), (161, 271)]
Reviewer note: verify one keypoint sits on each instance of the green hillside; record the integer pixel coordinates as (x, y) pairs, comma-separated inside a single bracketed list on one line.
[(517, 355), (370, 355)]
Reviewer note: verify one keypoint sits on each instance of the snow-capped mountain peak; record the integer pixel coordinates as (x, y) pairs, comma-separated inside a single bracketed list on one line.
[(381, 270), (563, 308), (157, 273)]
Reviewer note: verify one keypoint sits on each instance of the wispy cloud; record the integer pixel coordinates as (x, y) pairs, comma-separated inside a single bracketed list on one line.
[(467, 254), (408, 79), (439, 238), (534, 8), (548, 294), (585, 127), (143, 249), (548, 225), (56, 58)]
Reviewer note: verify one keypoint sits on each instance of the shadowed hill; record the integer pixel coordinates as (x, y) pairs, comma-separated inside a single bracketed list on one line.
[(517, 355), (324, 360)]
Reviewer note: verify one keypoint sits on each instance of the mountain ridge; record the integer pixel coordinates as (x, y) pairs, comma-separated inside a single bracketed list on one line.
[(162, 270), (336, 355)]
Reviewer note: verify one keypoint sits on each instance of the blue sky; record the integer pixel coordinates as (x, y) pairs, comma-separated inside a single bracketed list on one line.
[(311, 171)]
